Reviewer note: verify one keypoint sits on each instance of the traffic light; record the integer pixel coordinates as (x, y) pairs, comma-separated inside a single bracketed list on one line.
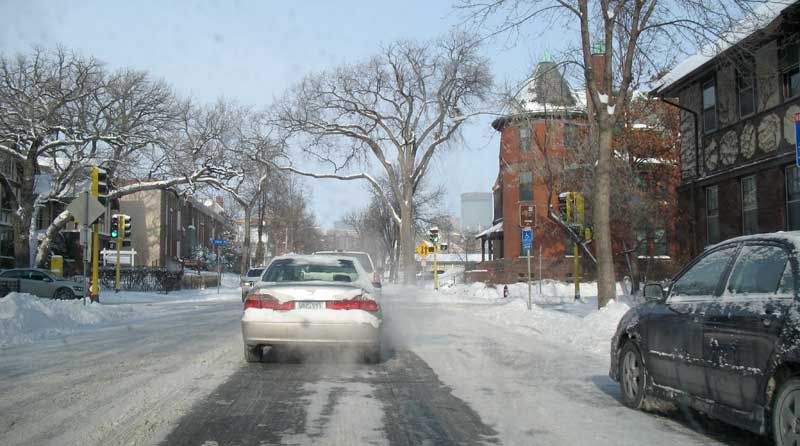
[(102, 186), (115, 226), (433, 234), (128, 226)]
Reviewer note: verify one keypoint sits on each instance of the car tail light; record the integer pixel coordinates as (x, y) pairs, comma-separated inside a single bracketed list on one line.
[(267, 302), (356, 303)]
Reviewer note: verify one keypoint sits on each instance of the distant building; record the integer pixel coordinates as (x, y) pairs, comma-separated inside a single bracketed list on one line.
[(476, 210), (166, 227), (342, 238)]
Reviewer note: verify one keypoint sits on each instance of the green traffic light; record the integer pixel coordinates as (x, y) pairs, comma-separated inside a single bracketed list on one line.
[(114, 234)]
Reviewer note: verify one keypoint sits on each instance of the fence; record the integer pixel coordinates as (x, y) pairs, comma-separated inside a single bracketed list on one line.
[(142, 279)]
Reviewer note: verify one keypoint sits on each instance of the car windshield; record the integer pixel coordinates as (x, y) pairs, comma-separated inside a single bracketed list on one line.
[(362, 258), (255, 272), (295, 270)]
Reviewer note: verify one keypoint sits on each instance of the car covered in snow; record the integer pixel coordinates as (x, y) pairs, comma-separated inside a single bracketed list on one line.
[(722, 337), (43, 283), (312, 300)]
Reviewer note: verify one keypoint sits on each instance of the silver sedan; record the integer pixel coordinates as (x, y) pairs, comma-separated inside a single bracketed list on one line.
[(43, 283), (312, 300)]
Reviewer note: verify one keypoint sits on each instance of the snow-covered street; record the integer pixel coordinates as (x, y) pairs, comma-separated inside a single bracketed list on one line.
[(460, 366)]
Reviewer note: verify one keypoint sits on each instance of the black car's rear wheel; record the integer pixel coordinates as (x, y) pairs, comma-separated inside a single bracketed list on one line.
[(64, 293), (253, 353), (786, 414), (632, 376)]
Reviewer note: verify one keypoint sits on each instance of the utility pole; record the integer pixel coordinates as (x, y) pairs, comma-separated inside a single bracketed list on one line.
[(95, 239)]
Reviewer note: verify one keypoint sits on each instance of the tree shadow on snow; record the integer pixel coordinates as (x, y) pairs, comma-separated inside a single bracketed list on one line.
[(686, 417)]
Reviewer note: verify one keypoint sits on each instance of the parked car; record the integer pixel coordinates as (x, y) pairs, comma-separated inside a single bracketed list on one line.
[(252, 276), (364, 259), (312, 300), (723, 337), (43, 283)]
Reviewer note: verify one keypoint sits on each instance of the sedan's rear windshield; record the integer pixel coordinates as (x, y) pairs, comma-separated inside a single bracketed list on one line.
[(296, 270), (363, 259), (255, 272)]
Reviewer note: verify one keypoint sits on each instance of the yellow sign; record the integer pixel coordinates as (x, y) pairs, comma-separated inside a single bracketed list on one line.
[(423, 250), (57, 265)]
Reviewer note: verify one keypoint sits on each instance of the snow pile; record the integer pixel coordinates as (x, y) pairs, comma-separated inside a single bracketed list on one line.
[(586, 329), (182, 296), (555, 314), (24, 318)]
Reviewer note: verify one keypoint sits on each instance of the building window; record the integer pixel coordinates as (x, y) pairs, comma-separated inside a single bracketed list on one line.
[(570, 136), (712, 214), (652, 243), (709, 106), (746, 90), (524, 139), (749, 205), (791, 69), (793, 198), (525, 186)]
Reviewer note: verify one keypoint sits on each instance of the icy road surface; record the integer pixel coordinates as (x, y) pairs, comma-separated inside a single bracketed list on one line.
[(454, 372)]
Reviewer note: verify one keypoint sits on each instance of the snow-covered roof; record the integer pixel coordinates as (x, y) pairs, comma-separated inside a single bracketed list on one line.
[(548, 91), (496, 228), (762, 16)]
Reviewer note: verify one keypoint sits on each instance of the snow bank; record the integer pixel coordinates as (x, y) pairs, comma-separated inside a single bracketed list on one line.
[(182, 296), (555, 314), (24, 318), (590, 332)]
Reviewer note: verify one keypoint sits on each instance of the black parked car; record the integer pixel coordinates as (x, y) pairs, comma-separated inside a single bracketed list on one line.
[(723, 337)]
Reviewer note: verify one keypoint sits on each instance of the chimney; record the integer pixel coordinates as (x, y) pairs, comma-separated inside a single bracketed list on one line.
[(220, 201)]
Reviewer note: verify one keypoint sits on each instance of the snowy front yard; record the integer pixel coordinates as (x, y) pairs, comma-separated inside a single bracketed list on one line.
[(25, 318)]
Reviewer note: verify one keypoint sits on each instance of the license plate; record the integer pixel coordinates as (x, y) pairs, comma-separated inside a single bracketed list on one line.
[(310, 305)]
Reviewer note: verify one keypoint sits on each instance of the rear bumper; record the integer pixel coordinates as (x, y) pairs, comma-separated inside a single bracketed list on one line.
[(255, 333)]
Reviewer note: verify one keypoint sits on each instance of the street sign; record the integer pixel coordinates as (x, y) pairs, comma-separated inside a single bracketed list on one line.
[(218, 241), (423, 249), (85, 207), (527, 215), (527, 240), (797, 137)]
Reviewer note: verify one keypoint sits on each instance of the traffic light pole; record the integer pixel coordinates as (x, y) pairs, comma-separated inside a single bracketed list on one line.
[(95, 240), (435, 267), (120, 238)]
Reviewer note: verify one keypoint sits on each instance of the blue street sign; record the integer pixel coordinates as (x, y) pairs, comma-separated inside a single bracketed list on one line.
[(527, 240), (797, 137), (218, 241)]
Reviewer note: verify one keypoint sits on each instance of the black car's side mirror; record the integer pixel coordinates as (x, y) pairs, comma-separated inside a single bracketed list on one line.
[(654, 292)]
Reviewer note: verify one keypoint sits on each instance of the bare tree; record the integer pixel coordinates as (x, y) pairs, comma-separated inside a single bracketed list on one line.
[(61, 113), (633, 38), (395, 110)]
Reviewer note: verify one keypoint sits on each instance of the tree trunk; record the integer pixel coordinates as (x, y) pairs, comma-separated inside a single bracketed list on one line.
[(246, 245), (407, 241), (55, 227), (260, 243), (23, 217), (606, 287)]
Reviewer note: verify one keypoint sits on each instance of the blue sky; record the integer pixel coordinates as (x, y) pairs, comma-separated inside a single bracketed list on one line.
[(251, 51)]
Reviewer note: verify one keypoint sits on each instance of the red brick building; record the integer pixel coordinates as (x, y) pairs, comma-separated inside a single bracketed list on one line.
[(549, 113), (547, 131)]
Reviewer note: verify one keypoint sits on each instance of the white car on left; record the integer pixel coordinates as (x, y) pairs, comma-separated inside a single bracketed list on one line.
[(312, 300), (43, 283)]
